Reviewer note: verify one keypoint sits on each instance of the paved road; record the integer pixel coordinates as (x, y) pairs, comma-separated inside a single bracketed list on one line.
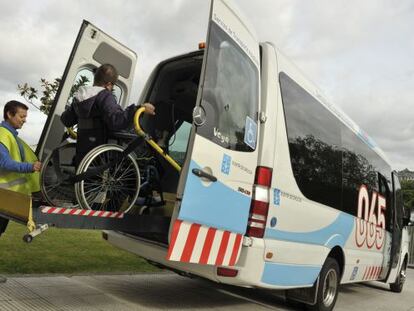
[(171, 292)]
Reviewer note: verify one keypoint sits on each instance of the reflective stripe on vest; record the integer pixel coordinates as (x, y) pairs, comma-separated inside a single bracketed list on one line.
[(13, 183)]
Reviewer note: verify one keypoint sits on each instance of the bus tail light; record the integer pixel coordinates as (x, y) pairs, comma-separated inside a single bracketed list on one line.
[(259, 206)]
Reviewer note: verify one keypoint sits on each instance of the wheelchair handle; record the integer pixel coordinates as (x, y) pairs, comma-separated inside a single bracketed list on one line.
[(150, 141), (72, 133)]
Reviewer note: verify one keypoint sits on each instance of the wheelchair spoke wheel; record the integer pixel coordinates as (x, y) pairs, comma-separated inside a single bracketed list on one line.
[(56, 169), (112, 183)]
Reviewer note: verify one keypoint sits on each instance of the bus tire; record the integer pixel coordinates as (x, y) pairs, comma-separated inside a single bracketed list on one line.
[(398, 285), (328, 286)]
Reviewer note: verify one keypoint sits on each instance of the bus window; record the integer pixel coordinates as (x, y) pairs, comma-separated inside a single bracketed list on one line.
[(330, 161), (398, 205), (314, 144), (86, 74), (178, 143), (384, 186), (231, 93)]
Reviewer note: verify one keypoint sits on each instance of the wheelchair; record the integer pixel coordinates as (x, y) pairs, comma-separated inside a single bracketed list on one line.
[(111, 177)]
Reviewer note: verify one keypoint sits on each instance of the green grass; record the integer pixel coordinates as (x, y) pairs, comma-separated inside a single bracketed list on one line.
[(64, 251)]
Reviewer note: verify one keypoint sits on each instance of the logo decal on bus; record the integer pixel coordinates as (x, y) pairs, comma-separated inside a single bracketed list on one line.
[(219, 135), (354, 273), (370, 224), (241, 167), (225, 164), (250, 133), (290, 196), (276, 197)]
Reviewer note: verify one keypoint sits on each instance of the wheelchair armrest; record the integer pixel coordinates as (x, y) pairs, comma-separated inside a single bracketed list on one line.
[(123, 135)]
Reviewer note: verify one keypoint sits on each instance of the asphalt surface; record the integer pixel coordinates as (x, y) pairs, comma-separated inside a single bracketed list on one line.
[(166, 291)]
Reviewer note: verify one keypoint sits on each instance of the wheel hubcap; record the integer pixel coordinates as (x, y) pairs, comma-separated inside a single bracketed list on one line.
[(330, 287)]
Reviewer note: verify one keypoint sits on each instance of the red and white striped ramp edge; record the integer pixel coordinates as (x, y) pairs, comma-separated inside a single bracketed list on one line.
[(81, 212), (195, 243), (372, 273)]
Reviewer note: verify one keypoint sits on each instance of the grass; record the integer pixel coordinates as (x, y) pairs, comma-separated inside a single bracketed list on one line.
[(64, 251)]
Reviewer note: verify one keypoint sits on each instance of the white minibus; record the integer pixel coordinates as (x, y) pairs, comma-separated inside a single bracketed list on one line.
[(276, 188)]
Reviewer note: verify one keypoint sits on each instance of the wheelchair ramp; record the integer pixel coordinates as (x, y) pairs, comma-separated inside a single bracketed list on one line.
[(75, 218), (17, 207)]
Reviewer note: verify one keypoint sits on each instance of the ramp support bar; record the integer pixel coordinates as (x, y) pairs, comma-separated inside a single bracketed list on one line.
[(30, 236)]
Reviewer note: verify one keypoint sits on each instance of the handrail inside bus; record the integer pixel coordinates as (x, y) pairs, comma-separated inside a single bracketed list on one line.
[(151, 142)]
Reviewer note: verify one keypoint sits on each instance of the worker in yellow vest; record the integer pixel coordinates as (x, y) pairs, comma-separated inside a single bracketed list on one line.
[(19, 167)]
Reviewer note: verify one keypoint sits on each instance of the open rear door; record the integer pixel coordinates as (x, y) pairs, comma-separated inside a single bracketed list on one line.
[(92, 48), (218, 178)]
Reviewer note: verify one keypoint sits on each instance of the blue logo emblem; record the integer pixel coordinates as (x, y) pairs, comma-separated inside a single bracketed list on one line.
[(354, 273), (276, 197), (250, 133), (225, 165)]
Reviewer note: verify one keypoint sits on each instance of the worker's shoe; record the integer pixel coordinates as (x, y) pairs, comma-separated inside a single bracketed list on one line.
[(3, 279)]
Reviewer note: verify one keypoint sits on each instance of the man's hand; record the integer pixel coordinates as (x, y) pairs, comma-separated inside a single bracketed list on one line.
[(149, 108), (37, 166)]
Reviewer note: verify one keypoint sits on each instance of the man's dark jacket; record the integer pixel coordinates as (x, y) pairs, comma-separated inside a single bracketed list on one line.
[(97, 113)]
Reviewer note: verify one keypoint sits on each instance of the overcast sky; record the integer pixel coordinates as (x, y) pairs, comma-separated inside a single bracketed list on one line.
[(359, 53)]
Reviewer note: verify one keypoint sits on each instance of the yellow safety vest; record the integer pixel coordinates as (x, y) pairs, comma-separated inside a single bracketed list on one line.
[(20, 182)]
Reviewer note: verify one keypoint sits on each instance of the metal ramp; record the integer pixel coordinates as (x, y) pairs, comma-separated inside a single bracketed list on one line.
[(22, 209)]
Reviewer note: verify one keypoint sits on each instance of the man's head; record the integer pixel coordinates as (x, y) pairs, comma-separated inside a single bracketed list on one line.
[(106, 76), (15, 113)]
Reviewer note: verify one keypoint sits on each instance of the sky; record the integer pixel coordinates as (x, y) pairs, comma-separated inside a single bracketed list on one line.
[(359, 53)]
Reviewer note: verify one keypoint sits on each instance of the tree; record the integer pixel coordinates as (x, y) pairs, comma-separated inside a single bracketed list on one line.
[(407, 187), (48, 90)]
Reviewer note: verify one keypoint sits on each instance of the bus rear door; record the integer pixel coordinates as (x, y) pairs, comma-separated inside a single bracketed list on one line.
[(216, 183), (92, 48)]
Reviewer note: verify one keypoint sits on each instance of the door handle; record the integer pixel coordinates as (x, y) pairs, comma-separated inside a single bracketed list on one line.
[(202, 174)]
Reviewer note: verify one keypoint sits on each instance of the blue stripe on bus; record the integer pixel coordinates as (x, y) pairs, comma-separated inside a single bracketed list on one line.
[(337, 233), (215, 205), (289, 275)]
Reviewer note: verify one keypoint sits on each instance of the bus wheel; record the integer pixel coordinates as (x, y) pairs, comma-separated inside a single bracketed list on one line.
[(328, 286), (399, 282)]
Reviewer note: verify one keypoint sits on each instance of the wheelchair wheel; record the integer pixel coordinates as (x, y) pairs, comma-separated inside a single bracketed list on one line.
[(114, 188), (56, 169)]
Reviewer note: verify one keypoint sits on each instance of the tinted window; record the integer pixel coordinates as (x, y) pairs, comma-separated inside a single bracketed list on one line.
[(358, 169), (361, 165), (385, 191), (399, 203), (230, 93), (178, 143), (329, 161), (314, 143), (106, 54)]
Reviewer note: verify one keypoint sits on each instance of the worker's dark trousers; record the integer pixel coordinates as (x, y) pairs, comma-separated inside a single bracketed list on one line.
[(3, 225)]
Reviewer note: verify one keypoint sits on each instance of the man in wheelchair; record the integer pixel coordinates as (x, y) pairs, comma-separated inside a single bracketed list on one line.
[(101, 175), (97, 113)]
